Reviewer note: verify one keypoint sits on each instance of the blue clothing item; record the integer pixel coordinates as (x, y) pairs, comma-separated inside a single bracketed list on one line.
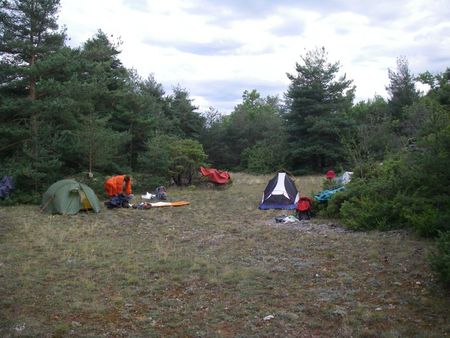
[(325, 195), (119, 201), (6, 185)]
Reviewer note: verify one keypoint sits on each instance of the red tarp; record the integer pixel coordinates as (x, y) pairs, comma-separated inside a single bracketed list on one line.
[(216, 176)]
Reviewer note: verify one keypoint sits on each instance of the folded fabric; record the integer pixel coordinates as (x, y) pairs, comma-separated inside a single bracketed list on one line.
[(148, 196)]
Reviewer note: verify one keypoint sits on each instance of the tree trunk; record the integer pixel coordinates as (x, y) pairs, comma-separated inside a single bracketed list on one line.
[(33, 119)]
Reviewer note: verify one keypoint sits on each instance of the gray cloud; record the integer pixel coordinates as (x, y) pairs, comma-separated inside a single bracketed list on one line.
[(139, 5), (226, 94), (290, 27), (212, 48), (219, 47), (226, 12)]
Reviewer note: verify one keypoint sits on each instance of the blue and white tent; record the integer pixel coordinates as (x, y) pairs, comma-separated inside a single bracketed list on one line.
[(280, 193)]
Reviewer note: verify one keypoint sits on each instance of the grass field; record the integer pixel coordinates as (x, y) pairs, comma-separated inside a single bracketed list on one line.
[(217, 268)]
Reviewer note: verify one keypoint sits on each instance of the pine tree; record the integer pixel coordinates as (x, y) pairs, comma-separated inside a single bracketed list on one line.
[(401, 89), (317, 103), (29, 33)]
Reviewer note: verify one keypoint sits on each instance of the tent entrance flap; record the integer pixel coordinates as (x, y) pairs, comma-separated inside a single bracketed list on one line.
[(279, 188), (85, 204)]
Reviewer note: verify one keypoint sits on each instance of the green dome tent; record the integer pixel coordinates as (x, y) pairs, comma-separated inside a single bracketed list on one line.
[(69, 197)]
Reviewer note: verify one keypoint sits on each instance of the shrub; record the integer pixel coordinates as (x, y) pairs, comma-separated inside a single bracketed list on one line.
[(427, 216), (171, 158), (262, 158), (332, 208), (440, 259)]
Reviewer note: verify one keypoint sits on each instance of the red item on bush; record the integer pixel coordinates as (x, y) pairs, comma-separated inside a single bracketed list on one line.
[(331, 174)]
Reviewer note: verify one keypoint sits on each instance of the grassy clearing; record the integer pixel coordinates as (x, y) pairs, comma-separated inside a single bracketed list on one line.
[(216, 268)]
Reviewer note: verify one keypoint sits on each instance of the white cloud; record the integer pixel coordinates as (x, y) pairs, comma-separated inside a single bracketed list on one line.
[(216, 49)]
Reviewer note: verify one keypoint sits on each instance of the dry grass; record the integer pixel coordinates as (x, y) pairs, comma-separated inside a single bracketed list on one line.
[(216, 268)]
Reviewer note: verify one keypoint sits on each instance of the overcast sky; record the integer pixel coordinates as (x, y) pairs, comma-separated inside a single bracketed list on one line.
[(216, 49)]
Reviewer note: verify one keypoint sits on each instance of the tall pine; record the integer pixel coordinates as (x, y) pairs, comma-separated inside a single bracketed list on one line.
[(317, 103), (401, 89), (29, 33)]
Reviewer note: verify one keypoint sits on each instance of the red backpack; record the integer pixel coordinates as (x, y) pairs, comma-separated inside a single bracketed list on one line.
[(304, 204)]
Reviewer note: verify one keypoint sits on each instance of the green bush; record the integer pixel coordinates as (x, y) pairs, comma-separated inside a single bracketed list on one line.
[(440, 259), (332, 207), (143, 183), (171, 158), (370, 202), (365, 213), (427, 216), (262, 158)]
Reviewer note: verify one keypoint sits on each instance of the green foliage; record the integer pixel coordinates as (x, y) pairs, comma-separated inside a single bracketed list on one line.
[(156, 160), (29, 35), (264, 157), (440, 259), (401, 89), (236, 141), (185, 122), (185, 158), (412, 189), (317, 112), (370, 203), (173, 158)]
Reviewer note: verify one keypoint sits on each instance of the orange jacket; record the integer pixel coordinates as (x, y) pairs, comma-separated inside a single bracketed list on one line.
[(114, 186)]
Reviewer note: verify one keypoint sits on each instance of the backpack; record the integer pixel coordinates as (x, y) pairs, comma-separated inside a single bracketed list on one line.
[(304, 204), (161, 193)]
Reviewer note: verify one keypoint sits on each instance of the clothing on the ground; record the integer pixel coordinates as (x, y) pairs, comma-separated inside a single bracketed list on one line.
[(119, 201)]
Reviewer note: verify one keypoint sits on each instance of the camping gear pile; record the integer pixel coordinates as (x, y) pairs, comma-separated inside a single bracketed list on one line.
[(160, 194), (339, 183), (119, 201)]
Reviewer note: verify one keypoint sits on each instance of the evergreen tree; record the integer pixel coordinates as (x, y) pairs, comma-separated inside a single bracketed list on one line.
[(401, 89), (215, 141), (371, 137), (143, 106), (105, 95), (29, 34), (252, 122), (182, 115), (317, 104)]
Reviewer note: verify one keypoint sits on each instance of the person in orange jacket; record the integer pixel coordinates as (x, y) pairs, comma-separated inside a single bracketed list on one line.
[(118, 185)]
